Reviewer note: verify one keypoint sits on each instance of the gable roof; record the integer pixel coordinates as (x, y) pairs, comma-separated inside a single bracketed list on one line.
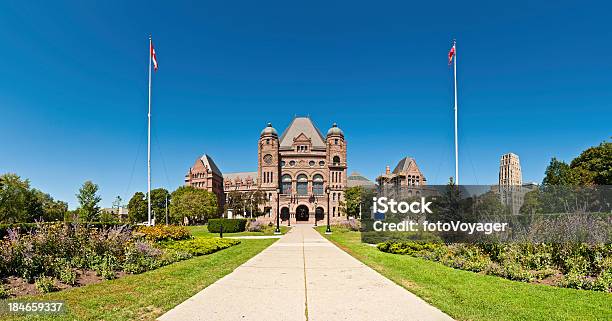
[(404, 165), (356, 179), (298, 126), (208, 161)]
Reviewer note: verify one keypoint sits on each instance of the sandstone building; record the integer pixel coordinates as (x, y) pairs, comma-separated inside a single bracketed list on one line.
[(294, 171), (511, 181)]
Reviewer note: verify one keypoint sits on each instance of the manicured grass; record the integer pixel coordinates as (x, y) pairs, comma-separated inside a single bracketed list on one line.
[(148, 295), (471, 296), (202, 231)]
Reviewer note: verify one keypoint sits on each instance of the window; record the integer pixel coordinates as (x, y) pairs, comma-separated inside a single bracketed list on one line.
[(302, 185), (292, 163), (321, 163), (286, 184), (317, 184), (336, 160), (311, 163), (282, 163)]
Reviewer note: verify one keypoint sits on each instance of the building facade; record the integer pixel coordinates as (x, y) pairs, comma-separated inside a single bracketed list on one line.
[(299, 172), (510, 182), (406, 175)]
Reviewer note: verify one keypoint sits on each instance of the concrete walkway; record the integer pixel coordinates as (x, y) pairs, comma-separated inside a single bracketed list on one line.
[(304, 277)]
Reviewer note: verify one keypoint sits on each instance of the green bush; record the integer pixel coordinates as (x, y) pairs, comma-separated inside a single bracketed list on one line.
[(4, 292), (229, 225), (202, 246), (45, 284)]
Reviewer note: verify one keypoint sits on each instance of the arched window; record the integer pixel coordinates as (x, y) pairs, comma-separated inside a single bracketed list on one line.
[(317, 184), (286, 184), (302, 184), (336, 160)]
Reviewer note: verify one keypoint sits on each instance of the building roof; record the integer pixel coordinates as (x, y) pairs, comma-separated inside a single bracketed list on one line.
[(208, 161), (302, 125), (356, 179), (404, 165)]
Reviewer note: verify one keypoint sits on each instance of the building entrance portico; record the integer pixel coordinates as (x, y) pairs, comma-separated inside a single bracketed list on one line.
[(301, 213)]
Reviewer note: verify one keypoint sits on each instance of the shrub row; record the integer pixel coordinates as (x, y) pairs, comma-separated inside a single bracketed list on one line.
[(160, 233), (229, 225), (579, 265)]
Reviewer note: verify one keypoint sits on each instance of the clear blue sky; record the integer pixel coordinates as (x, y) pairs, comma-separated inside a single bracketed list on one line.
[(535, 79)]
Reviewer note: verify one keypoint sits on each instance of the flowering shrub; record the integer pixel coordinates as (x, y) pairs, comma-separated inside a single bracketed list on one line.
[(160, 233), (58, 251), (350, 224), (583, 266)]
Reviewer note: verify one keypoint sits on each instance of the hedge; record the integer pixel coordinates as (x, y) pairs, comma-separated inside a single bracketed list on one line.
[(229, 225)]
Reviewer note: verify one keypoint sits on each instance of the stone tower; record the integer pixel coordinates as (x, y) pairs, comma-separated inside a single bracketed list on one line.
[(510, 182), (268, 159), (336, 160)]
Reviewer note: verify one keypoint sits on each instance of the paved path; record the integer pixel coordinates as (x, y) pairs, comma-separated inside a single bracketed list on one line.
[(304, 277)]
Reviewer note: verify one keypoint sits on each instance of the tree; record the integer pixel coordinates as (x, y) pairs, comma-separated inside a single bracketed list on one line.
[(137, 208), (190, 205), (52, 210), (594, 165), (17, 202), (158, 203), (531, 203), (88, 199), (353, 197), (558, 173)]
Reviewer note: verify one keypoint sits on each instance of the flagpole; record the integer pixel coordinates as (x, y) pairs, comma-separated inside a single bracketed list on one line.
[(149, 142), (456, 143)]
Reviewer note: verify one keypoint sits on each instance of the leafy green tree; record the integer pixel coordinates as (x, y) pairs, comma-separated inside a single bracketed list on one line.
[(558, 173), (17, 202), (594, 165), (531, 203), (190, 205), (137, 208), (353, 197), (89, 210), (158, 203), (52, 210)]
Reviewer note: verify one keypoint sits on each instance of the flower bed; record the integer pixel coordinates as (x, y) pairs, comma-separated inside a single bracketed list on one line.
[(572, 265), (57, 256), (161, 233), (201, 246)]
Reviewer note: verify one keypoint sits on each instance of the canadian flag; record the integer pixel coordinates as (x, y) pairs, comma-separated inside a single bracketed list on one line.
[(451, 53), (153, 57)]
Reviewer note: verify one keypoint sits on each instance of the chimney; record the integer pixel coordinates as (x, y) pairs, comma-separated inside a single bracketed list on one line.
[(387, 170)]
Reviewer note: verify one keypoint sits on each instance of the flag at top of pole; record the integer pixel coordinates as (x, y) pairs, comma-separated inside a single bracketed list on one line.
[(153, 57), (452, 58)]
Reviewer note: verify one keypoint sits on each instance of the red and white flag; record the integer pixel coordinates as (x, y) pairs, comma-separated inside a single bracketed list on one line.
[(153, 57), (451, 53)]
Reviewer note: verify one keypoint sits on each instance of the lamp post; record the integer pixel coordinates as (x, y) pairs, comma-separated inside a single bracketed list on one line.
[(327, 191), (315, 211), (277, 231)]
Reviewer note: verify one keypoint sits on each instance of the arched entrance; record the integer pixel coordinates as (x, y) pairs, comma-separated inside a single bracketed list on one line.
[(284, 214), (301, 213), (319, 214)]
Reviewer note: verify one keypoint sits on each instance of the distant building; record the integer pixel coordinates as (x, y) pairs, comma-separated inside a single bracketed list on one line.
[(405, 174), (294, 168), (511, 182), (356, 179), (120, 213)]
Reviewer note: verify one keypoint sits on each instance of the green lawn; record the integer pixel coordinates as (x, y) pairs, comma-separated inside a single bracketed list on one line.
[(202, 231), (148, 295), (470, 296)]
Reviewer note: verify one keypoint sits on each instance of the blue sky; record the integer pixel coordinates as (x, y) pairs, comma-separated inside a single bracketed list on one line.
[(534, 79)]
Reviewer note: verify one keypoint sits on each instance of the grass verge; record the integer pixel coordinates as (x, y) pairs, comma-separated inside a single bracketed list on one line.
[(148, 295), (202, 231), (471, 296)]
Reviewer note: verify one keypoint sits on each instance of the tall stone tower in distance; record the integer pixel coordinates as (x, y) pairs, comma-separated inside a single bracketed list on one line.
[(511, 182), (510, 170)]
